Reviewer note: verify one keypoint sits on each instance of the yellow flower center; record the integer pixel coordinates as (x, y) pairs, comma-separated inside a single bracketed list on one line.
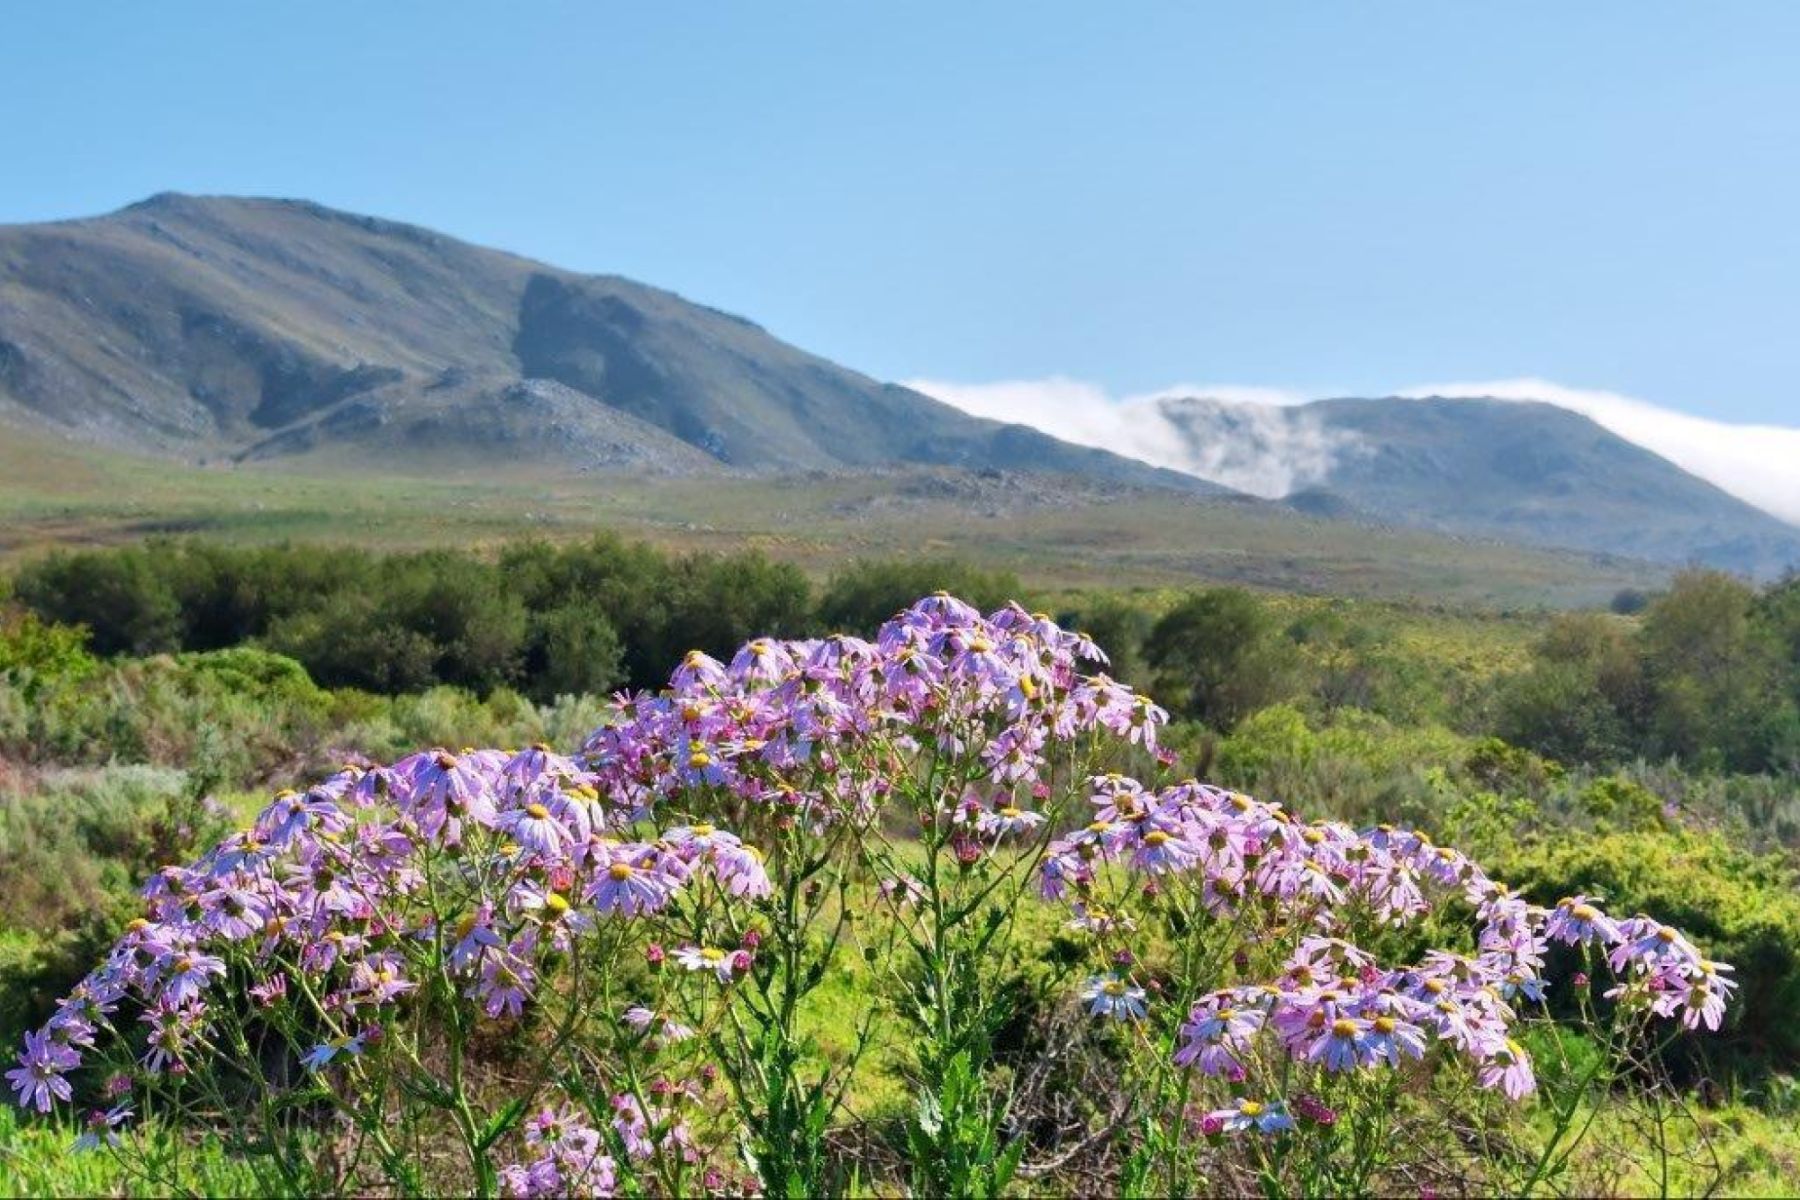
[(620, 871), (712, 954), (699, 760), (702, 830), (1584, 912), (1010, 813), (1113, 987), (1155, 837), (537, 812), (1384, 1024), (555, 903), (1250, 1108), (1343, 1027)]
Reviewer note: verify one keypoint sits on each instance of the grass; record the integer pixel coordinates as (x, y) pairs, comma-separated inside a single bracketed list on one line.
[(36, 1160), (57, 492)]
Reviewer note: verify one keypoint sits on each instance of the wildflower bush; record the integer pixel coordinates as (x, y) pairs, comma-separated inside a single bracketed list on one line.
[(593, 972)]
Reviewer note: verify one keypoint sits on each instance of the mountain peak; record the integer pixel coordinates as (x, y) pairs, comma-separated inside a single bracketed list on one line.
[(233, 326)]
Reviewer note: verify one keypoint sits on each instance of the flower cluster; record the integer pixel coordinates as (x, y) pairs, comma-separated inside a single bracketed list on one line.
[(783, 726), (481, 861), (1333, 1006)]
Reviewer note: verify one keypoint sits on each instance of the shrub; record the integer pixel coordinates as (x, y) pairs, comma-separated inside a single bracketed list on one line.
[(1218, 657)]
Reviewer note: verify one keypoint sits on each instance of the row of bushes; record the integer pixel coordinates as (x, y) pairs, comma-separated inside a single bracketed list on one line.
[(549, 620), (1708, 673)]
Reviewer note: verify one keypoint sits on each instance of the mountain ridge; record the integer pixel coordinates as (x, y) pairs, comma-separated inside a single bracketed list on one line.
[(1528, 471), (256, 330), (248, 327)]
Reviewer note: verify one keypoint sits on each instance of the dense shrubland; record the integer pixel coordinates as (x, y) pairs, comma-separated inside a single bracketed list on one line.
[(1369, 714)]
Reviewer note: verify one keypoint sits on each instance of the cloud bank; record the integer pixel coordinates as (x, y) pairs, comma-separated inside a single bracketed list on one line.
[(1260, 449), (1238, 436)]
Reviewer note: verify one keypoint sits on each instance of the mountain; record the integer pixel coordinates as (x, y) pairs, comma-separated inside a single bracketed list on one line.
[(1526, 472), (216, 329), (224, 328)]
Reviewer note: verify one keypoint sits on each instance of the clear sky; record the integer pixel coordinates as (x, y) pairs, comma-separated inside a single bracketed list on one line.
[(1320, 197)]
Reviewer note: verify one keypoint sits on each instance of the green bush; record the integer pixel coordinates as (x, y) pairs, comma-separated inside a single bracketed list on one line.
[(863, 595), (1218, 656), (1743, 907)]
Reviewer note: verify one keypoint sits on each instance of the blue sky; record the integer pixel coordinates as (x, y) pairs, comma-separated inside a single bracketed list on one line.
[(1322, 198)]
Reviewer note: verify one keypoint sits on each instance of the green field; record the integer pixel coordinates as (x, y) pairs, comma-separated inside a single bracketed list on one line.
[(63, 493)]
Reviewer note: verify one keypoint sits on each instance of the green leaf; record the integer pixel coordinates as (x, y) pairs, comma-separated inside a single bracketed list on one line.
[(500, 1122)]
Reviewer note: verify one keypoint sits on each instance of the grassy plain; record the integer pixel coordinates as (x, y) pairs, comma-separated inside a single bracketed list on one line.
[(1056, 536)]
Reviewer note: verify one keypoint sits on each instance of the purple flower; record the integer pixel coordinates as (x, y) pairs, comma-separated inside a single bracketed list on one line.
[(1006, 820), (185, 974), (1508, 1069), (627, 886), (1111, 996), (102, 1128), (475, 935), (1577, 920), (722, 963), (39, 1076), (535, 829), (1390, 1039), (321, 1055), (1216, 1034), (1342, 1046), (1269, 1117)]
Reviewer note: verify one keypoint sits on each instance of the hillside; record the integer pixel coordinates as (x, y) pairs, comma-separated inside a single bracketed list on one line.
[(210, 327), (1525, 472)]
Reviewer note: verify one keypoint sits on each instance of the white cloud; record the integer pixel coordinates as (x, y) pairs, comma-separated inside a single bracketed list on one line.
[(1268, 455), (1265, 454), (1759, 464)]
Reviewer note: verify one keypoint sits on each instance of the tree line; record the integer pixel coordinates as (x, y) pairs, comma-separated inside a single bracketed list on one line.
[(544, 619), (1707, 671)]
